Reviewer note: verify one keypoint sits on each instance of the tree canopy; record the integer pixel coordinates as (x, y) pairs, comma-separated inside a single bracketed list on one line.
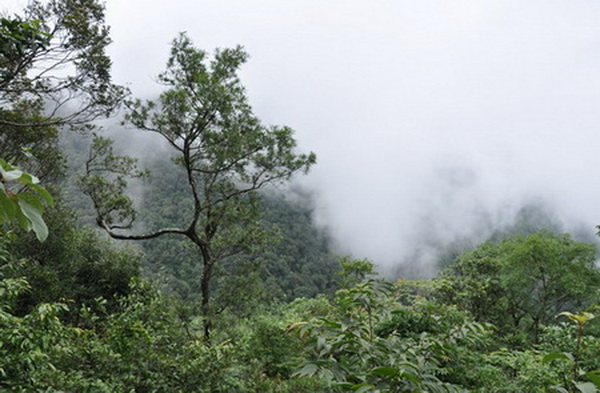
[(53, 58), (522, 281), (224, 150)]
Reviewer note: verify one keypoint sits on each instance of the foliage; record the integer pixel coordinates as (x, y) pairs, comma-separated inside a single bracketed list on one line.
[(54, 55), (354, 271), (296, 261), (27, 341), (508, 371), (572, 381), (76, 316), (22, 200), (355, 352), (19, 39), (113, 207), (372, 337), (73, 265), (33, 149), (141, 347), (223, 149), (299, 262), (521, 282)]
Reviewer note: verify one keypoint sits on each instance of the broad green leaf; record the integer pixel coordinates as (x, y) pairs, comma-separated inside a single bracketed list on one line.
[(409, 376), (594, 376), (385, 371), (32, 199), (557, 355), (7, 206), (35, 216), (363, 388), (29, 179), (586, 387), (43, 193), (22, 219), (308, 370)]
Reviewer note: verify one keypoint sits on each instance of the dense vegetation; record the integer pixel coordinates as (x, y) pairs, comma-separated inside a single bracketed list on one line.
[(80, 312)]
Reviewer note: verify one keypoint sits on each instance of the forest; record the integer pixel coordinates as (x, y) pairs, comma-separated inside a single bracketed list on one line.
[(200, 269)]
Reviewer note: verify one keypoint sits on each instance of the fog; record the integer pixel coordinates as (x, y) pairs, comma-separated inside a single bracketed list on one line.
[(432, 120)]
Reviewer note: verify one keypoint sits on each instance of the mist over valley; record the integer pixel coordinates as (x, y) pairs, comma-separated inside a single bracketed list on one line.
[(432, 124)]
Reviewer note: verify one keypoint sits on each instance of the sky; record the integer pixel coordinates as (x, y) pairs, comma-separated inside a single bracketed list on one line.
[(431, 119)]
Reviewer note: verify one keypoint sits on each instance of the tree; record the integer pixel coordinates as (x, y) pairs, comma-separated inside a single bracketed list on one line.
[(33, 149), (522, 281), (298, 263), (53, 59), (53, 72), (354, 271), (227, 155), (19, 39)]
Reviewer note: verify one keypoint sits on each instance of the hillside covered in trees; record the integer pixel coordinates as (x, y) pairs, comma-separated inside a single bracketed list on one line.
[(200, 269)]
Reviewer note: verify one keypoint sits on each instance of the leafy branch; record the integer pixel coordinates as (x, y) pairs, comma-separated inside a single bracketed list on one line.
[(22, 200)]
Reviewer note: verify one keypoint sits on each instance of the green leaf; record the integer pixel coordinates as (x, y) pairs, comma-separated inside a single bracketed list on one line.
[(308, 370), (384, 371), (43, 193), (32, 199), (29, 179), (594, 376), (558, 355), (34, 215), (22, 219), (559, 389), (409, 376), (586, 387), (7, 206), (363, 388)]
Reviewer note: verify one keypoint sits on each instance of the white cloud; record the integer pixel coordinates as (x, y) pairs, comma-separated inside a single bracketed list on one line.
[(426, 115)]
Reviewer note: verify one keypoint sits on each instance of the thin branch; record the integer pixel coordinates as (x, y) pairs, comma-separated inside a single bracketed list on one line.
[(150, 235)]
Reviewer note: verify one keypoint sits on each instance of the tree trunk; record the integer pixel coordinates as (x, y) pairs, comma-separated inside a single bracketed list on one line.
[(207, 272)]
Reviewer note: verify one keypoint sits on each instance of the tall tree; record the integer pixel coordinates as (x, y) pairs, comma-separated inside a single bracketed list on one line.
[(522, 281), (227, 155), (54, 72), (53, 58)]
